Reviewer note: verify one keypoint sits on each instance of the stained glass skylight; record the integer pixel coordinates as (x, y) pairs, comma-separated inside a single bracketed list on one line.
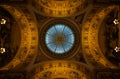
[(59, 38)]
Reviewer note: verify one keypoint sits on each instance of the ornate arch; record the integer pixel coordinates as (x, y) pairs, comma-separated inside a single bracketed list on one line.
[(59, 8), (29, 37), (90, 45), (61, 69)]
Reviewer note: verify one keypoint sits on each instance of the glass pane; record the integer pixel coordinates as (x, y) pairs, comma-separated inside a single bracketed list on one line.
[(67, 31), (52, 31), (69, 38), (49, 39), (59, 49), (67, 46), (52, 47), (59, 28)]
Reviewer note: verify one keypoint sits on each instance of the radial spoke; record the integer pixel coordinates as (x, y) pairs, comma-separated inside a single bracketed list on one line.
[(50, 42), (68, 34), (55, 29), (63, 29), (50, 34), (63, 47), (69, 42), (56, 47)]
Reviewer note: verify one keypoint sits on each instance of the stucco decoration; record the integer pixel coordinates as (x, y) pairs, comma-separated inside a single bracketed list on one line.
[(29, 38), (90, 44), (60, 69), (59, 8)]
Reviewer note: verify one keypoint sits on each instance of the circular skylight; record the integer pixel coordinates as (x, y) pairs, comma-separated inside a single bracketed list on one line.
[(59, 38)]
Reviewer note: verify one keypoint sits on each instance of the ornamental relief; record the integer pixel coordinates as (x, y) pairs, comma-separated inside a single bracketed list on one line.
[(90, 41), (28, 46), (57, 8), (60, 69)]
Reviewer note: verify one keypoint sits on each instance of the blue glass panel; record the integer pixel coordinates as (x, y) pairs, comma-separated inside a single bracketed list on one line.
[(63, 47), (49, 38), (60, 49), (51, 47), (67, 31), (52, 31), (69, 38), (59, 28), (67, 46)]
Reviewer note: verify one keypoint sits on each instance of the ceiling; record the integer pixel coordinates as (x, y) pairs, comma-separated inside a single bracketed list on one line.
[(92, 54), (59, 8)]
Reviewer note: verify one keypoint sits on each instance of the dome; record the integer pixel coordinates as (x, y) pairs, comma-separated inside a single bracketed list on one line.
[(59, 38)]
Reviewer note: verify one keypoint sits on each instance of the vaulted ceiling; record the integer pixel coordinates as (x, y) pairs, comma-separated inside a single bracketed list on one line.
[(95, 38), (59, 8)]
